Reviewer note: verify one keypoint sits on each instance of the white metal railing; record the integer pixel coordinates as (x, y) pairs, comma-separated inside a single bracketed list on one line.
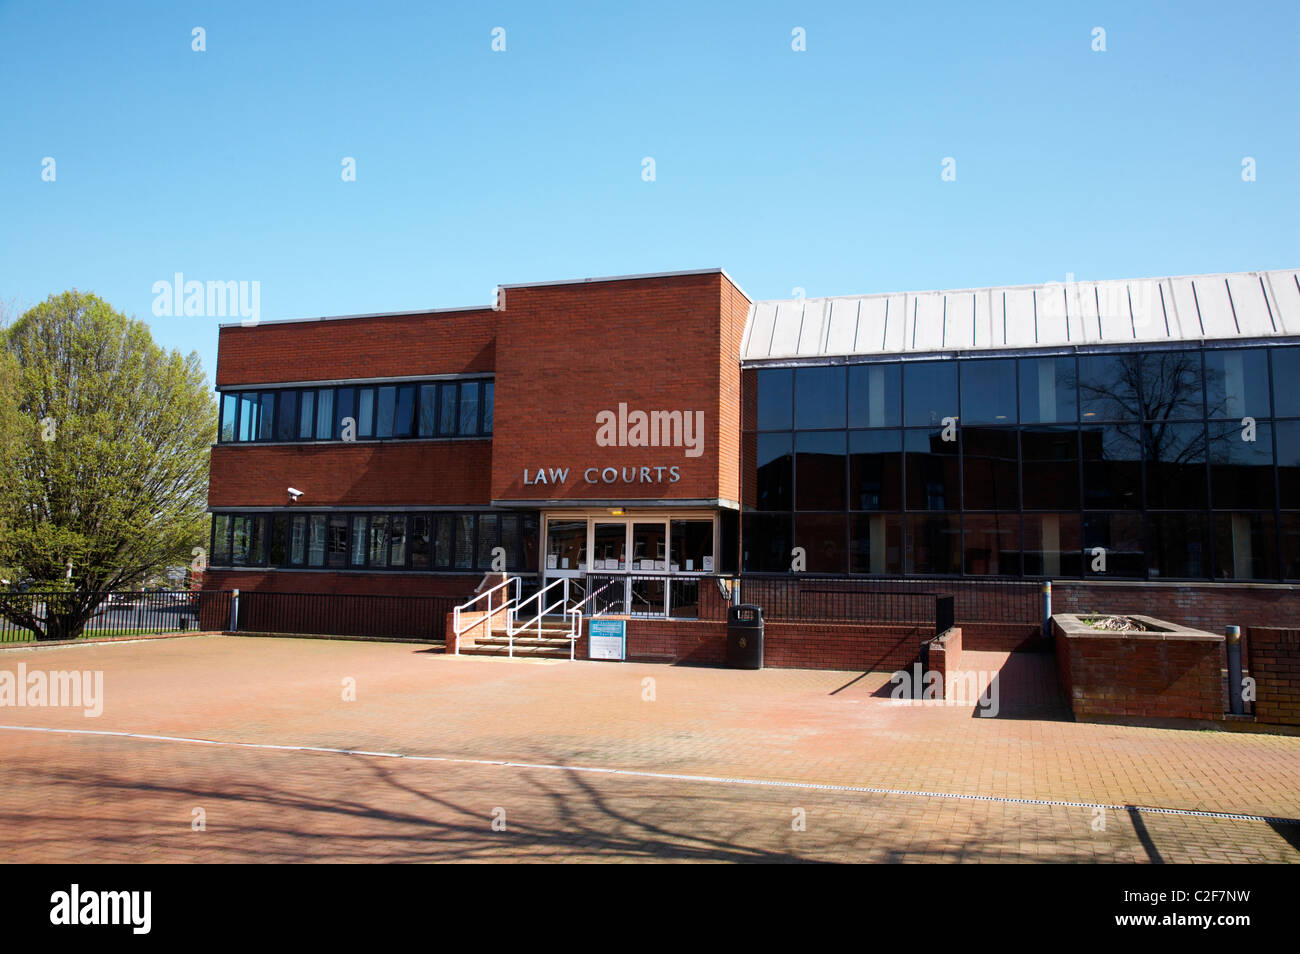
[(572, 620), (507, 602)]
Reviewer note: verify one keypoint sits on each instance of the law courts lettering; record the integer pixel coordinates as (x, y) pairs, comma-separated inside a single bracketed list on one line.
[(624, 428)]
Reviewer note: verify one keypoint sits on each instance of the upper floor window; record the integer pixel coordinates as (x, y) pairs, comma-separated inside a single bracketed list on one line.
[(461, 408)]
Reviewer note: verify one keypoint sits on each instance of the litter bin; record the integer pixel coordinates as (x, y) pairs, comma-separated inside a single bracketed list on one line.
[(745, 636)]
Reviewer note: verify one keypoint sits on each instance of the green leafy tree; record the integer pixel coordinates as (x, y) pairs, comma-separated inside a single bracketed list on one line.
[(107, 437)]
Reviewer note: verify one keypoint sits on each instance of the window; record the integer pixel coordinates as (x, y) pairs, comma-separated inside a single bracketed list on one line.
[(266, 416), (404, 419), (988, 392), (823, 537), (875, 395), (221, 539), (989, 478), (468, 408), (991, 544), (378, 540), (1053, 544), (876, 470), (249, 406), (229, 413), (1245, 546), (346, 413), (421, 538), (1175, 464), (336, 546), (767, 542), (1048, 390), (1241, 466), (443, 543), (1050, 468), (934, 544), (464, 541), (1180, 545), (365, 412), (775, 400), (775, 470), (298, 539), (286, 415), (819, 470), (397, 540), (1112, 467), (316, 550), (931, 467), (487, 539), (324, 414), (377, 413), (929, 391), (359, 540), (692, 546), (1113, 545), (387, 412), (428, 410), (279, 554), (1286, 372), (819, 397), (1236, 384), (307, 415), (448, 410), (876, 543)]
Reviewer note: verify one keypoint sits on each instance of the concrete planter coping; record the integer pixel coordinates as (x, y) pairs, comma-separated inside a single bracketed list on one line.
[(1072, 626)]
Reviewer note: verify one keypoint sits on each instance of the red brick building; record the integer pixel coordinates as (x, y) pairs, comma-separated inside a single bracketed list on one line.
[(413, 453)]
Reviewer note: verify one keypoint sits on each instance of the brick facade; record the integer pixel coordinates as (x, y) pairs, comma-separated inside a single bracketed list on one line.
[(1274, 656)]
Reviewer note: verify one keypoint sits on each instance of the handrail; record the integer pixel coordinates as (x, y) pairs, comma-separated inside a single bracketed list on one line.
[(456, 624), (512, 616), (578, 607)]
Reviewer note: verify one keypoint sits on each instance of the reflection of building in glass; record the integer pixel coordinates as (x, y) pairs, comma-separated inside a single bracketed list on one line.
[(1100, 430)]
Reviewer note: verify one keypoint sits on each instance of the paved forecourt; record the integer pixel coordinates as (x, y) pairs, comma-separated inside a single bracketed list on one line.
[(606, 761)]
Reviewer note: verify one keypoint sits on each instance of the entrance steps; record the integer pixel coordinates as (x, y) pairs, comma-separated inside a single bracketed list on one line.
[(551, 643)]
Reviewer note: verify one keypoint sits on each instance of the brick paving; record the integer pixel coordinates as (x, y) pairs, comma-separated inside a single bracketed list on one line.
[(105, 798)]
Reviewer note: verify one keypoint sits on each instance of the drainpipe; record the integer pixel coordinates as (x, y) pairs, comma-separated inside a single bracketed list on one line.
[(1236, 706), (1047, 609), (234, 611)]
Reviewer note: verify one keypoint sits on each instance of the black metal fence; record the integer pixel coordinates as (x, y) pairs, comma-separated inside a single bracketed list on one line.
[(832, 598), (42, 615), (346, 614), (649, 595)]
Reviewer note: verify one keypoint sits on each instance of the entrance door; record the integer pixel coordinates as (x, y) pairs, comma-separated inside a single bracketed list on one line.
[(566, 548)]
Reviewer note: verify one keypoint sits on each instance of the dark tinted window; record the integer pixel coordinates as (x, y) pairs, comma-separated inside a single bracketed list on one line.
[(775, 399), (989, 468), (819, 397), (876, 543), (1179, 545), (930, 391), (1112, 467), (933, 543), (345, 412), (823, 537), (1286, 373), (775, 472), (385, 412), (1175, 466), (428, 410), (991, 544), (767, 542), (1236, 383), (819, 470), (931, 467), (876, 470), (1051, 468), (988, 392), (1048, 390), (1113, 545), (468, 408), (875, 395), (1241, 466)]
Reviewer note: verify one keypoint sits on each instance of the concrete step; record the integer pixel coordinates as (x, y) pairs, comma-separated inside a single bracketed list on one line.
[(549, 650)]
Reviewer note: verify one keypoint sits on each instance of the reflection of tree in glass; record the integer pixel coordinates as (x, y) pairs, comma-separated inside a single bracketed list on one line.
[(1158, 388)]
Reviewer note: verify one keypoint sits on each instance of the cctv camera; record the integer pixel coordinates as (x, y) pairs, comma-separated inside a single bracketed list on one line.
[(295, 493)]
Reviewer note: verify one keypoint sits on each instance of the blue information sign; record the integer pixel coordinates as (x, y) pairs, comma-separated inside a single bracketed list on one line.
[(607, 639)]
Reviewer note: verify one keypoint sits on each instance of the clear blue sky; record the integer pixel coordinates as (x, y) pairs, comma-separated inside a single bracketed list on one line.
[(816, 169)]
